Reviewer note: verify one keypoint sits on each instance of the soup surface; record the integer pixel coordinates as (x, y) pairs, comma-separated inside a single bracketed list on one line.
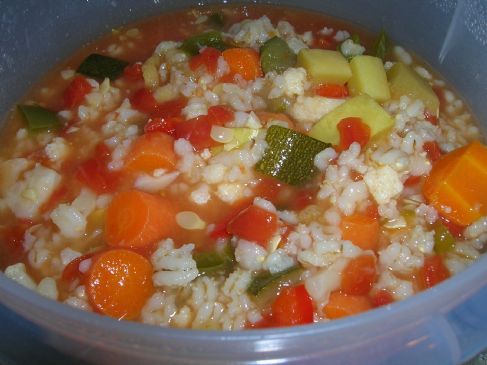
[(238, 168)]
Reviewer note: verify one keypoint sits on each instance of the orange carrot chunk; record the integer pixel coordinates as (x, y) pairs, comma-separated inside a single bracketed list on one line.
[(119, 283), (136, 219), (149, 152), (361, 229), (359, 275), (456, 186), (243, 61), (342, 305)]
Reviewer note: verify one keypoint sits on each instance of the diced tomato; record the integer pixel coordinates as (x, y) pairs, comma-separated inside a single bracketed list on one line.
[(166, 125), (133, 72), (432, 150), (268, 188), (433, 119), (351, 130), (293, 306), (220, 230), (76, 92), (372, 211), (197, 131), (254, 224), (302, 199), (220, 114), (144, 101), (433, 271), (332, 91), (171, 108), (324, 42), (359, 275), (265, 322), (95, 174), (412, 180), (382, 297), (208, 58), (11, 244), (71, 270), (455, 229)]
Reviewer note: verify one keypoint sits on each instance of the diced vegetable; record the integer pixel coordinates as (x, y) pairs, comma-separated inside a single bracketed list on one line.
[(94, 174), (444, 241), (352, 129), (382, 297), (359, 275), (275, 55), (293, 306), (325, 66), (166, 125), (144, 101), (244, 62), (133, 72), (71, 271), (171, 108), (332, 91), (254, 224), (100, 67), (362, 230), (197, 131), (149, 152), (76, 92), (433, 272), (220, 114), (456, 184), (369, 77), (289, 155), (403, 80), (381, 45), (265, 286), (342, 305), (432, 150), (38, 118), (212, 39), (279, 105), (208, 58), (362, 106), (119, 283), (215, 261), (220, 229), (136, 219)]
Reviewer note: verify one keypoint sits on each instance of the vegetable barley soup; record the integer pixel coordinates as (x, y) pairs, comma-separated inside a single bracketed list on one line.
[(243, 167)]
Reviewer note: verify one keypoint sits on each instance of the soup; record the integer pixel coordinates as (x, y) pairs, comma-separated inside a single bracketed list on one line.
[(242, 167)]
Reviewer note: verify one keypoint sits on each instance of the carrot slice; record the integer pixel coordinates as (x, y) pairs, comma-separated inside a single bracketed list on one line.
[(151, 151), (136, 219), (243, 61), (119, 283), (342, 305), (359, 275), (362, 230), (456, 184)]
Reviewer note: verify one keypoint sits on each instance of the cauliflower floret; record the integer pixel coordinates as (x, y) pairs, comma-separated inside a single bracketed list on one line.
[(294, 81), (350, 49), (25, 197), (383, 184), (309, 109)]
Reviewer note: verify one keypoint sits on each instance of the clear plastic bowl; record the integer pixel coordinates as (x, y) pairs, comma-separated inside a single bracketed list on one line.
[(444, 325)]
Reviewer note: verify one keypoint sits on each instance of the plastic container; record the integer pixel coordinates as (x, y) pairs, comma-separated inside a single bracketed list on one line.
[(444, 325)]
